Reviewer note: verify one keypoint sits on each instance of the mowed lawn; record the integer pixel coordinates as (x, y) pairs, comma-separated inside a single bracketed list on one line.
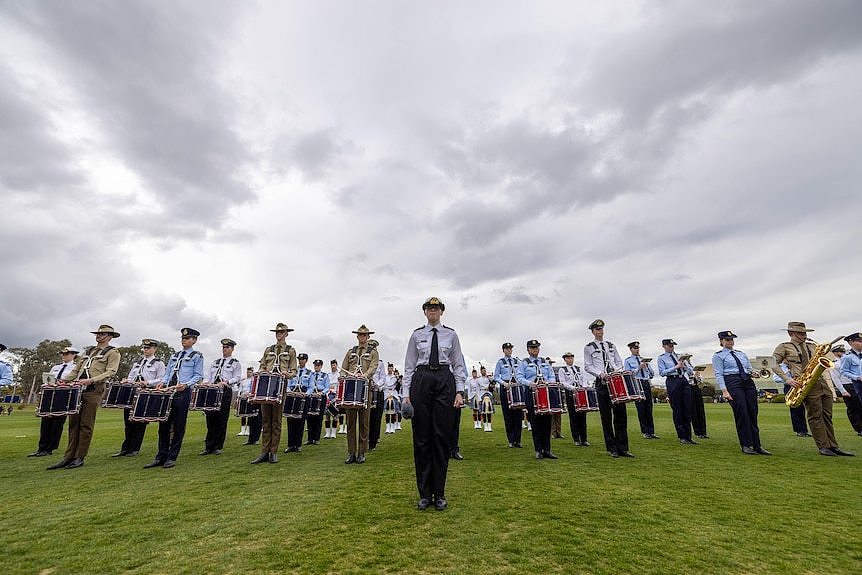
[(672, 509)]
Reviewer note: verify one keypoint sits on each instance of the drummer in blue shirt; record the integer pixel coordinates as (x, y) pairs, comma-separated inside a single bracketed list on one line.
[(851, 363)]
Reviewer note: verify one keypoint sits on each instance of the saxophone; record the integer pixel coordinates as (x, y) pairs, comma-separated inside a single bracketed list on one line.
[(812, 372)]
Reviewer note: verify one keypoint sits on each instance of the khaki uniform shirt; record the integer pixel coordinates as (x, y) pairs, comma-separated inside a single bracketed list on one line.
[(366, 357), (96, 364), (279, 358), (792, 354)]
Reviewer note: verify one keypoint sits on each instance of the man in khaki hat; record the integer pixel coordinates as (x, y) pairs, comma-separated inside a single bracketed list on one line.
[(279, 358), (796, 354), (360, 359), (99, 363), (51, 428)]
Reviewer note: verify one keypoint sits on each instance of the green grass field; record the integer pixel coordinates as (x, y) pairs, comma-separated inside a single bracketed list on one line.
[(672, 509)]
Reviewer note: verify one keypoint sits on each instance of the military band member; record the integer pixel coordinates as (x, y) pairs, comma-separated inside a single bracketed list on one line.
[(844, 387), (5, 370), (433, 384), (570, 378), (332, 411), (360, 359), (797, 414), (485, 399), (677, 371), (318, 385), (226, 372), (556, 418), (250, 425), (851, 364), (796, 353), (532, 369), (100, 362), (601, 358), (733, 375), (334, 374), (279, 358), (51, 428), (185, 370), (148, 371), (504, 377), (644, 373), (391, 399), (376, 415), (296, 427), (473, 397)]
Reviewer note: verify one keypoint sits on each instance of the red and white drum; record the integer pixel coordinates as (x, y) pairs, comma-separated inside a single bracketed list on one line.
[(623, 388), (586, 399), (352, 393), (59, 399), (245, 408), (152, 405), (548, 399), (206, 397), (267, 388), (294, 405), (517, 395), (120, 395)]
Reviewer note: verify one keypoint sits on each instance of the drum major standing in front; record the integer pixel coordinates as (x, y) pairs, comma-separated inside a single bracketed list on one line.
[(601, 358), (433, 384)]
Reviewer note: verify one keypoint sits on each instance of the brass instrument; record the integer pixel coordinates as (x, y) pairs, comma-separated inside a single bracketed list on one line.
[(812, 372), (684, 357), (765, 372)]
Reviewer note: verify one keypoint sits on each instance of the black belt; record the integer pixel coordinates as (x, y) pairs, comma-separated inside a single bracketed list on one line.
[(426, 367)]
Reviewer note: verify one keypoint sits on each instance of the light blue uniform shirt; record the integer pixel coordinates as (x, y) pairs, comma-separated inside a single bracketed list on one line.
[(318, 382), (5, 373), (851, 366), (529, 367), (188, 365), (724, 364), (633, 364), (300, 382), (667, 366), (504, 371)]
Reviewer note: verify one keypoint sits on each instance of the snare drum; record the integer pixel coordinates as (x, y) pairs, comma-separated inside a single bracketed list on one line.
[(548, 399), (245, 408), (267, 388), (59, 399), (206, 397), (586, 399), (634, 388), (120, 395), (152, 405), (294, 405), (315, 404), (517, 396), (619, 385), (352, 393), (331, 408)]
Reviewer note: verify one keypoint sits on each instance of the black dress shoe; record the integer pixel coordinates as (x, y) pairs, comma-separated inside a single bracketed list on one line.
[(749, 450), (118, 454), (440, 504), (626, 454), (77, 462), (361, 458), (827, 452), (518, 445), (687, 442), (838, 451), (131, 454), (273, 458), (457, 455), (761, 451), (653, 436), (154, 463), (579, 444), (217, 452), (549, 455), (263, 458), (250, 443), (205, 452), (613, 454), (704, 436), (309, 442), (39, 453), (539, 455), (64, 462), (423, 504), (350, 459), (169, 463), (803, 434)]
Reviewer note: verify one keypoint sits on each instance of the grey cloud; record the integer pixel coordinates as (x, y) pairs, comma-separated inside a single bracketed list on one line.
[(316, 154), (518, 295)]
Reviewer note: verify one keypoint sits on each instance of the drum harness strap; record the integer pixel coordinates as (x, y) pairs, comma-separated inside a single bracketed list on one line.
[(91, 358)]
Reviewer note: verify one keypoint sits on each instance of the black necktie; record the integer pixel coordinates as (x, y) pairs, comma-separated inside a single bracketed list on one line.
[(434, 359), (604, 356), (60, 375), (738, 364), (175, 378)]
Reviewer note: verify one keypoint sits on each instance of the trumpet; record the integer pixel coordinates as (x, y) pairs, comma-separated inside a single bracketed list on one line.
[(684, 357)]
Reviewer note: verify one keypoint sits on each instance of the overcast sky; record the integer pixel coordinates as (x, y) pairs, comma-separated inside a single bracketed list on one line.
[(675, 168)]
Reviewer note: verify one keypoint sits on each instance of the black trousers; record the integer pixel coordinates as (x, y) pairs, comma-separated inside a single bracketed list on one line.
[(172, 431), (698, 412), (854, 409), (432, 394), (456, 431), (134, 433), (577, 419), (511, 418), (744, 406), (217, 422), (313, 425), (614, 420), (296, 428), (644, 408), (376, 419), (50, 432), (797, 416), (254, 427), (679, 394), (541, 424)]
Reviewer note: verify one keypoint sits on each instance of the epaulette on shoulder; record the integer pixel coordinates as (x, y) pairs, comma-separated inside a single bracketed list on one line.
[(195, 353), (447, 327), (418, 328)]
